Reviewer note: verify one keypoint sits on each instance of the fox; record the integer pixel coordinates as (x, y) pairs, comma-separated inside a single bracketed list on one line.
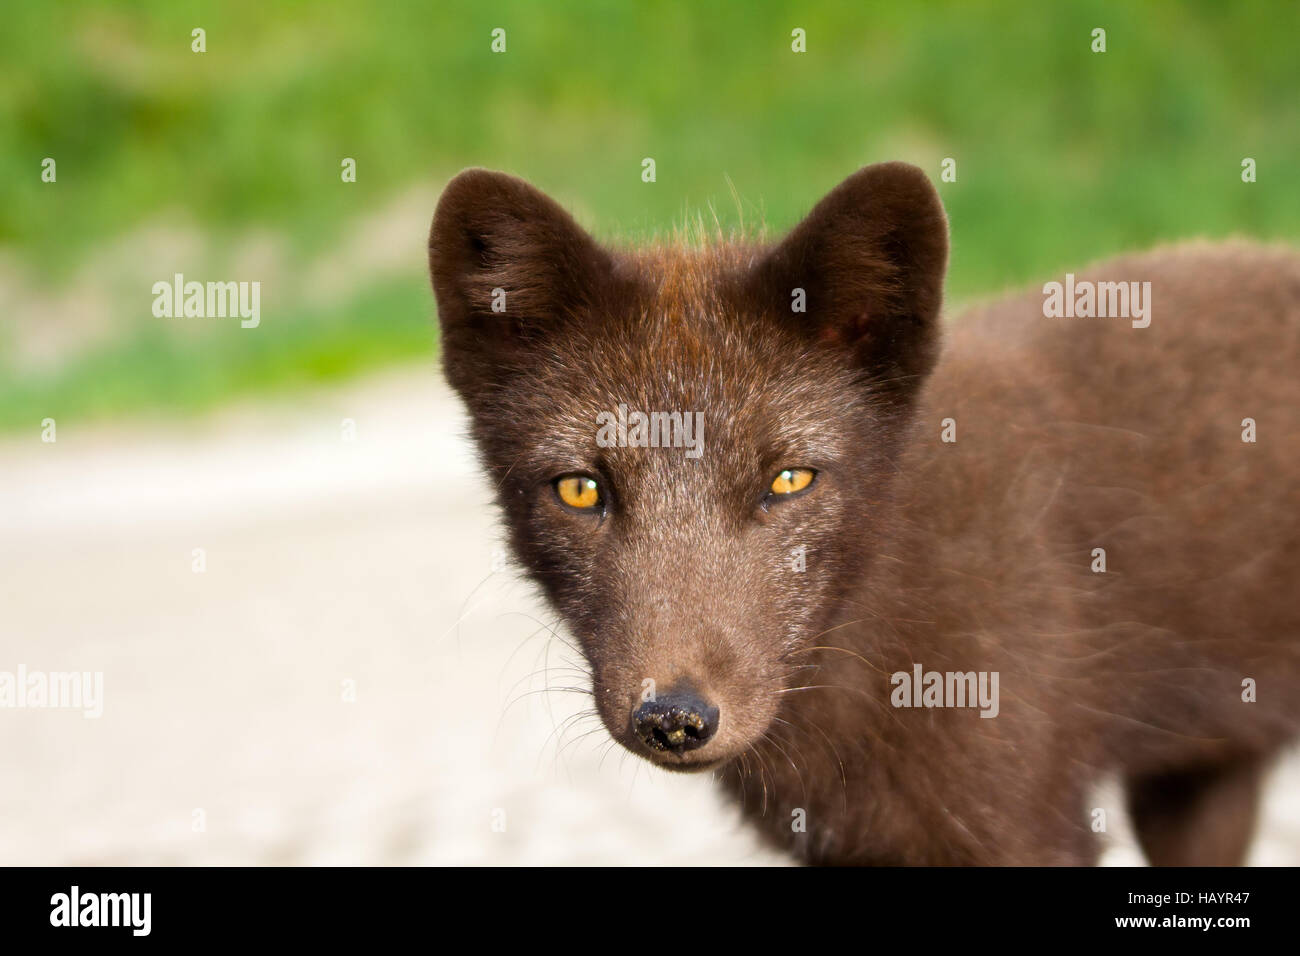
[(930, 581)]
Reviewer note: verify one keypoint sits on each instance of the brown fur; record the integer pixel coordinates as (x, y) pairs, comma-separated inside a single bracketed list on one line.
[(1072, 434)]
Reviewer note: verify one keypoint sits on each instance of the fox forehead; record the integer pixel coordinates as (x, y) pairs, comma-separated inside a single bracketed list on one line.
[(684, 353), (680, 337)]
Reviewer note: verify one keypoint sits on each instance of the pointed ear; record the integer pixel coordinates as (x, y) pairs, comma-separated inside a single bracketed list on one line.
[(870, 258), (508, 264)]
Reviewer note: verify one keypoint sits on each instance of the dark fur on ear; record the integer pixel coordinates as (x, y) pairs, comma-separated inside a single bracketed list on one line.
[(493, 231), (871, 258)]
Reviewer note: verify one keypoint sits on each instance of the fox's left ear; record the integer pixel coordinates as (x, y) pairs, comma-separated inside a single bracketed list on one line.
[(509, 266), (870, 259)]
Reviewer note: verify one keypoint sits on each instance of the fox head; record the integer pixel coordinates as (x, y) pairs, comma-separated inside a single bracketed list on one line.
[(692, 447)]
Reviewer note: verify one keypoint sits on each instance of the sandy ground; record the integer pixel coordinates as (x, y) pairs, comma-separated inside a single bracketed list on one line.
[(349, 680)]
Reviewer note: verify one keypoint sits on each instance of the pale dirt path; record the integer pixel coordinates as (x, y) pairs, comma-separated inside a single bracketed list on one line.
[(327, 561)]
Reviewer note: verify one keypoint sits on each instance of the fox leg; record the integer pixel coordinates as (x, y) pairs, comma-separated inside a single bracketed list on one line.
[(1204, 816)]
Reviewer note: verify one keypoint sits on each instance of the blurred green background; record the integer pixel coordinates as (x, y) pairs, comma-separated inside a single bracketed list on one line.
[(226, 164)]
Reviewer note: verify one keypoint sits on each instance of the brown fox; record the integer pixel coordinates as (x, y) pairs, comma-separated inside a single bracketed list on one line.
[(910, 606)]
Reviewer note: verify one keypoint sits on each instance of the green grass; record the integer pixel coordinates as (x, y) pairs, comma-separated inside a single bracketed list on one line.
[(184, 373), (1063, 155)]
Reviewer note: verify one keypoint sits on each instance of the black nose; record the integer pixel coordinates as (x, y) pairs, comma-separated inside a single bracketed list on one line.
[(676, 722)]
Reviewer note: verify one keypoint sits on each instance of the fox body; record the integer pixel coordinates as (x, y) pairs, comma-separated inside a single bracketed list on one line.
[(1098, 518)]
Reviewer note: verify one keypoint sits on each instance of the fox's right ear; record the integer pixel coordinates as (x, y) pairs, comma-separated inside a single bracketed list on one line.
[(869, 261), (508, 265)]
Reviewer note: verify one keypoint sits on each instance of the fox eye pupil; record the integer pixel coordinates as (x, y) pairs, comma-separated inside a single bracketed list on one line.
[(578, 491), (792, 480)]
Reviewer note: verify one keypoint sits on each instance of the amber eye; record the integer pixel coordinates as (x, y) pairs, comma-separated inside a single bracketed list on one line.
[(578, 491), (792, 480)]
